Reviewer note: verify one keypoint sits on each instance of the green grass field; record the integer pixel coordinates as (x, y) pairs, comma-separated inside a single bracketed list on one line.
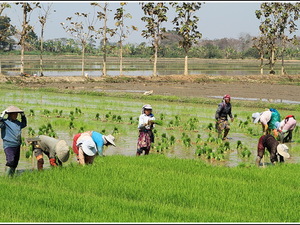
[(169, 185)]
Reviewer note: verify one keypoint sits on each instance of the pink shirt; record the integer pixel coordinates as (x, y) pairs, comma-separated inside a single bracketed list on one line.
[(288, 125), (265, 117)]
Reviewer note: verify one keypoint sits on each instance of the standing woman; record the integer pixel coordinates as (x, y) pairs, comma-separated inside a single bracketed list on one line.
[(145, 126), (11, 135), (221, 116)]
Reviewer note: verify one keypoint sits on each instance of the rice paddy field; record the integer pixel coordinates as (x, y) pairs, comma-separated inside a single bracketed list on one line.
[(189, 176)]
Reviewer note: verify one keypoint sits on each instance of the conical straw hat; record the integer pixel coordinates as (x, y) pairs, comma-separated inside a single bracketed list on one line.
[(13, 109)]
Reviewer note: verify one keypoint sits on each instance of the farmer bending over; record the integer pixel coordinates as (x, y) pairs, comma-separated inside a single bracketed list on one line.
[(56, 150), (223, 111), (274, 147), (286, 128)]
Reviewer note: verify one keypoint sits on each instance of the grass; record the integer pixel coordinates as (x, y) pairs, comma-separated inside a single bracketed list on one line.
[(155, 188), (152, 189)]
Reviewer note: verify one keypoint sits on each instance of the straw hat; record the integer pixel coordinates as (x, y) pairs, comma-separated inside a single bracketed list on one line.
[(109, 138), (282, 150), (62, 150), (255, 117), (87, 144), (13, 109)]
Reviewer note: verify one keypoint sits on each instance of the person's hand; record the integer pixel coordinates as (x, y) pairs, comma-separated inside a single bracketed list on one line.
[(22, 114), (3, 113)]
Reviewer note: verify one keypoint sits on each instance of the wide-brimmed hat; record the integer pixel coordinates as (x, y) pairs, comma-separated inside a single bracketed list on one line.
[(13, 109), (62, 150), (255, 117), (88, 145), (109, 138), (147, 106), (282, 150)]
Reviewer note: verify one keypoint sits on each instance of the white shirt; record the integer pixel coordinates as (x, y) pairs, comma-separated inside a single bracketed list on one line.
[(144, 119)]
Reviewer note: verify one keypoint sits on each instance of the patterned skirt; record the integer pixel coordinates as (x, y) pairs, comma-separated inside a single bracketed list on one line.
[(145, 139)]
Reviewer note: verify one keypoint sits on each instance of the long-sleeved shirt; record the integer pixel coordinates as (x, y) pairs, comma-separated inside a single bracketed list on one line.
[(11, 131), (288, 124), (48, 144), (269, 142), (265, 117), (223, 110), (143, 119)]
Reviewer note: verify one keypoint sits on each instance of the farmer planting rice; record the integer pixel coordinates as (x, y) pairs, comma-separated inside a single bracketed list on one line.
[(11, 135), (286, 127), (263, 118), (275, 117), (274, 147), (145, 127), (99, 139), (221, 116), (56, 150)]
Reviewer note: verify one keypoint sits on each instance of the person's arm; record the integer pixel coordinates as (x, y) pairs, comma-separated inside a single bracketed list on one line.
[(1, 119), (142, 122), (218, 111), (23, 120)]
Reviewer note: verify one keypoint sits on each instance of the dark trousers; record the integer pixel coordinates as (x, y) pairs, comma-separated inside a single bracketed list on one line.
[(12, 156)]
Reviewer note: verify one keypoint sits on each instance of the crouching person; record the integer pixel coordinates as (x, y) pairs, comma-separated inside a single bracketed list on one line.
[(274, 147), (56, 150)]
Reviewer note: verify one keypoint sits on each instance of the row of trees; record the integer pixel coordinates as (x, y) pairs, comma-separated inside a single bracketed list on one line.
[(277, 33)]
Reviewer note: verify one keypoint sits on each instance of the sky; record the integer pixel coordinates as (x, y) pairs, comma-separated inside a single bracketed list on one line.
[(217, 19)]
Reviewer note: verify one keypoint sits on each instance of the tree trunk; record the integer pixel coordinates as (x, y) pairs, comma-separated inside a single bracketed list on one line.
[(82, 60), (155, 61), (104, 43), (41, 52), (272, 62), (121, 58), (186, 65), (261, 64), (22, 58)]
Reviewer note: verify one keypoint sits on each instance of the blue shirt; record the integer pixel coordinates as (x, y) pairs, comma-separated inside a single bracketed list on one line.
[(98, 139), (11, 131)]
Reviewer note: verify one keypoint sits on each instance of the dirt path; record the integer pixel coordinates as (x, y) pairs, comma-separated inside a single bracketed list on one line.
[(257, 87)]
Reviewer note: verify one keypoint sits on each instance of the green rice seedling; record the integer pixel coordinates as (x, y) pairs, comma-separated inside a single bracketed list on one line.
[(218, 140), (119, 119), (162, 116), (239, 145), (77, 111), (171, 123), (220, 157), (158, 147), (130, 120), (250, 130), (46, 112), (159, 122), (60, 113), (210, 126), (115, 131), (177, 121), (172, 140), (210, 138), (31, 112), (235, 115), (220, 149), (226, 146), (114, 118), (81, 130), (71, 125), (97, 116), (245, 152), (187, 142), (103, 131), (211, 155), (31, 132), (198, 139)]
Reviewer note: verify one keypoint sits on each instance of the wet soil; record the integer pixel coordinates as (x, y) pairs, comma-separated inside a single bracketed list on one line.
[(268, 87)]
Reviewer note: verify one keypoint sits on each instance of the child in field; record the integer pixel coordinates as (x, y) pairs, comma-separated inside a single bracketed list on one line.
[(11, 135), (145, 127)]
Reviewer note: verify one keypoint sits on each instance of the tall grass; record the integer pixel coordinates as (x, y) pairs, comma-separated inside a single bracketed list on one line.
[(152, 188)]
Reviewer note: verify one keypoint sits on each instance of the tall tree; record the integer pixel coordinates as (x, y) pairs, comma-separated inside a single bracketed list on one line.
[(186, 26), (276, 18), (155, 16), (26, 27), (80, 28), (43, 19), (122, 30), (103, 31)]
